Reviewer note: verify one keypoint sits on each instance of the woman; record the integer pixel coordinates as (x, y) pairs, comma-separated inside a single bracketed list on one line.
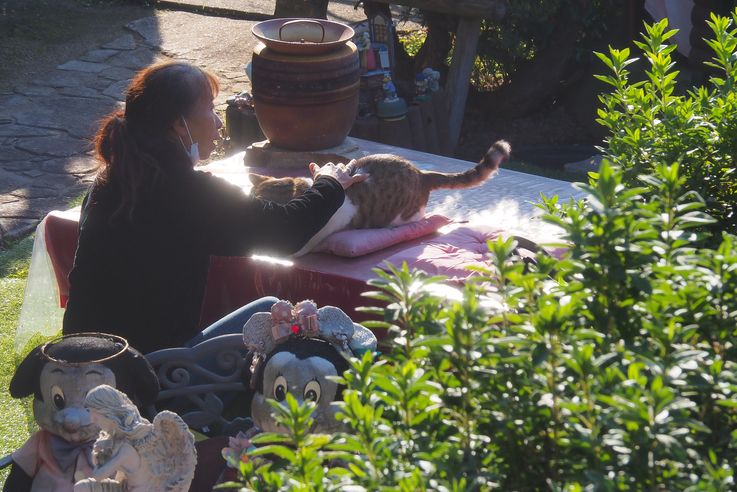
[(150, 221)]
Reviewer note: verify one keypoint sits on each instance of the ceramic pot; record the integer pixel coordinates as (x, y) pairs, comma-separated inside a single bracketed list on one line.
[(306, 101)]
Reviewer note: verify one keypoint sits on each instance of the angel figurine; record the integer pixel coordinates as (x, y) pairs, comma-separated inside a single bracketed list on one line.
[(132, 454)]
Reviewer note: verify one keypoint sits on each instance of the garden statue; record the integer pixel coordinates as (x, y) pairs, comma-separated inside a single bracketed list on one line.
[(392, 107), (366, 54), (132, 454), (59, 374), (363, 41), (390, 90), (294, 349), (421, 88), (433, 79)]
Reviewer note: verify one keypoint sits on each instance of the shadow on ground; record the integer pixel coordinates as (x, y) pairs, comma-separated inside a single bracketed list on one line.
[(62, 71)]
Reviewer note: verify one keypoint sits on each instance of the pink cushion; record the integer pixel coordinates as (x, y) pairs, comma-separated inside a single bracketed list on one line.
[(358, 242), (450, 254)]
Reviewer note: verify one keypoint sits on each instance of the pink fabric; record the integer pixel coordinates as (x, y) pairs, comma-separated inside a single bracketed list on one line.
[(359, 242), (449, 254), (36, 459)]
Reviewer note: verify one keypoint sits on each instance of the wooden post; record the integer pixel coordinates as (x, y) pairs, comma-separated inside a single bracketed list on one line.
[(395, 132), (461, 66), (366, 128), (441, 108), (427, 111), (414, 115)]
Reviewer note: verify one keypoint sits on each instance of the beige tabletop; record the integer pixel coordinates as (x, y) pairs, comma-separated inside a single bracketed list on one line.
[(506, 201)]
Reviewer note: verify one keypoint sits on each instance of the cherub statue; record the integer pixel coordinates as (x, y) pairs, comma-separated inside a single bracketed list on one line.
[(132, 454)]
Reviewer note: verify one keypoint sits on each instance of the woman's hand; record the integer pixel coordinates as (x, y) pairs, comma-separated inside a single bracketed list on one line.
[(341, 172)]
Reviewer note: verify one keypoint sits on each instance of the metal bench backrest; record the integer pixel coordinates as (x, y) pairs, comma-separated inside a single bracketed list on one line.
[(198, 382)]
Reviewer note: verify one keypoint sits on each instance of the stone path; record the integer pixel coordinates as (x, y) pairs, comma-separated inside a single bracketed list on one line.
[(47, 124)]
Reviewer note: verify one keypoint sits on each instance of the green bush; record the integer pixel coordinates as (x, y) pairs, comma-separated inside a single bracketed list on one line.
[(650, 123), (610, 369)]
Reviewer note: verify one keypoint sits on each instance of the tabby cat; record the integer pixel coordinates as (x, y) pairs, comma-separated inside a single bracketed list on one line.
[(396, 192)]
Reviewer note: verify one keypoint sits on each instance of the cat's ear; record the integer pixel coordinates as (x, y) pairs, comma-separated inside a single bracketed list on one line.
[(257, 179)]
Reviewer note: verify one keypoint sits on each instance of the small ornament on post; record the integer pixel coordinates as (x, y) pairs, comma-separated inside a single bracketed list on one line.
[(421, 89), (426, 82), (366, 54), (433, 79), (381, 29), (392, 106)]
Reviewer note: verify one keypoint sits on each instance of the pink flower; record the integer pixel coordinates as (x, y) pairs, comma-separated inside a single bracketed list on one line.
[(237, 450)]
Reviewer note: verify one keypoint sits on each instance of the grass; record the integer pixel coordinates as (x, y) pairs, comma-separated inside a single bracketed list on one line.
[(17, 422)]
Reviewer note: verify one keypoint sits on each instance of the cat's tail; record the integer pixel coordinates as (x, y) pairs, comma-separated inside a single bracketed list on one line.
[(497, 155)]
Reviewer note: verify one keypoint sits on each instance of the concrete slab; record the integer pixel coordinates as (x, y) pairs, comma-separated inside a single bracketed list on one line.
[(79, 92), (21, 167), (133, 59), (125, 42), (76, 165), (117, 90), (13, 104), (118, 73), (9, 153), (13, 130), (64, 78), (77, 116), (56, 145), (98, 56), (35, 90), (83, 66), (10, 183)]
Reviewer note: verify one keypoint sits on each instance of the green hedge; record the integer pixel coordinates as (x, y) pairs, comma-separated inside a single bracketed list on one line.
[(650, 123)]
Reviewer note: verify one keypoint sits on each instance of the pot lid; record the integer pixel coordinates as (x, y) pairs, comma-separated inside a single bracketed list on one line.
[(302, 36)]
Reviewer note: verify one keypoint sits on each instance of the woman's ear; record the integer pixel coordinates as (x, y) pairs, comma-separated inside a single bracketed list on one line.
[(179, 130), (25, 379)]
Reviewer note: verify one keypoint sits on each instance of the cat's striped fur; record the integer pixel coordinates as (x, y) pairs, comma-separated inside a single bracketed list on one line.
[(396, 191)]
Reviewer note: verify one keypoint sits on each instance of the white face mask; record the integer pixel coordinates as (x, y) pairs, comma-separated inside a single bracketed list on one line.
[(194, 148)]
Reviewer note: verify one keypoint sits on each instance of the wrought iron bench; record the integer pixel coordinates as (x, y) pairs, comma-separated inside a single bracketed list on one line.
[(203, 384)]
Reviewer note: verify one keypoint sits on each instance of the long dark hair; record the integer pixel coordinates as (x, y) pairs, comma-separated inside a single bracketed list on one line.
[(130, 143)]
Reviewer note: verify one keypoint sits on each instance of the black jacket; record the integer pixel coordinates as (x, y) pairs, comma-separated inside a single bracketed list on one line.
[(144, 278)]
